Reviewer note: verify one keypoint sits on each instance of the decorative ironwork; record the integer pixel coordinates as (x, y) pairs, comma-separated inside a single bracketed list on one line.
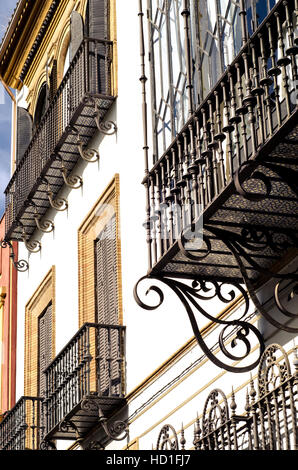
[(59, 134), (89, 155), (20, 265), (20, 428), (106, 127), (236, 149), (167, 439), (71, 181), (236, 331), (34, 246), (68, 380), (268, 423), (234, 137), (112, 431), (59, 204)]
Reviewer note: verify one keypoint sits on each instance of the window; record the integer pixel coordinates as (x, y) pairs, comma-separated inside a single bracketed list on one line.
[(39, 335), (44, 347), (215, 39), (106, 290), (41, 104), (99, 247)]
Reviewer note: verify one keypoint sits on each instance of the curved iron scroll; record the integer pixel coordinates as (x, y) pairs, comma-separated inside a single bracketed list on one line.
[(112, 431), (200, 290), (167, 438), (21, 265)]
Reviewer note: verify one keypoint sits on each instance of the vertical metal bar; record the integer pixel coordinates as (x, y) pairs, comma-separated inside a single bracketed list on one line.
[(143, 80), (189, 85), (282, 62)]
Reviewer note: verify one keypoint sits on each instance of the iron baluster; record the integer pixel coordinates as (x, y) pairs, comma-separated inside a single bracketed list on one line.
[(266, 82), (187, 177), (257, 91), (207, 154), (276, 412), (175, 192), (234, 119), (284, 412), (283, 62), (227, 128), (169, 197), (249, 101), (213, 146), (153, 218), (164, 209), (242, 111), (199, 162), (274, 72), (158, 211), (219, 137), (292, 49)]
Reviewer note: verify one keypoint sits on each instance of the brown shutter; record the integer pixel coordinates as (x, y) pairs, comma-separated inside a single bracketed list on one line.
[(76, 33), (24, 132), (97, 27), (44, 347), (107, 310), (106, 275)]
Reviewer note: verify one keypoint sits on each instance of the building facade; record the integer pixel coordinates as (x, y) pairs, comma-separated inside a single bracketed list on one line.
[(153, 199)]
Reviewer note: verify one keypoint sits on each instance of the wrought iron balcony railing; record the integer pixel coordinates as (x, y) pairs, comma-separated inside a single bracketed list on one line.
[(21, 427), (77, 109), (85, 382), (222, 201), (268, 423), (235, 131)]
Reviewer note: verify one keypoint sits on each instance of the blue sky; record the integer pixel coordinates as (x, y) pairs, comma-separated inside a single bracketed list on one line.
[(6, 10)]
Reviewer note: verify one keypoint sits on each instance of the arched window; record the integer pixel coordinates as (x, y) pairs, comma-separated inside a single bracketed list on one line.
[(41, 104)]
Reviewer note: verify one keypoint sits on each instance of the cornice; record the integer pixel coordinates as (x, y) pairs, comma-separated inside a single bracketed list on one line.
[(44, 27)]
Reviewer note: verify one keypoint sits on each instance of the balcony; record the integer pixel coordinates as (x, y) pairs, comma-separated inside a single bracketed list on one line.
[(20, 428), (232, 168), (85, 382), (221, 202), (77, 110)]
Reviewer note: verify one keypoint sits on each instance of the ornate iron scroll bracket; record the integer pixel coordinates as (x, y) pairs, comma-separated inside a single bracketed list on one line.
[(71, 181), (287, 175), (45, 225), (112, 431), (89, 155), (243, 246), (105, 127), (67, 424), (236, 332), (59, 204), (47, 445), (33, 246), (21, 265)]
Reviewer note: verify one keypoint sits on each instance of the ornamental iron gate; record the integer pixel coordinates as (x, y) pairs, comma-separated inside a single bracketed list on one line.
[(268, 423)]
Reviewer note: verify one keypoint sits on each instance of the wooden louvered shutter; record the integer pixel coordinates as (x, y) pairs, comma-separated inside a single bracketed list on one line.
[(76, 33), (24, 132), (44, 347), (108, 345), (98, 28), (106, 275)]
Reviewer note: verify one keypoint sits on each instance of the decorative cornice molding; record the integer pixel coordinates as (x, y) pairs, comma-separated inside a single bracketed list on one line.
[(44, 27)]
